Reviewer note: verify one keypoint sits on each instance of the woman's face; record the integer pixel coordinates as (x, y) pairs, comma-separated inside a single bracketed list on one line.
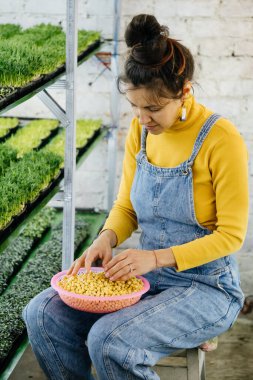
[(155, 117)]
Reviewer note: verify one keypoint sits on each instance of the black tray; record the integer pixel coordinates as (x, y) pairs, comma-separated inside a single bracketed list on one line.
[(90, 140), (8, 134), (16, 343), (46, 140), (18, 266), (17, 219)]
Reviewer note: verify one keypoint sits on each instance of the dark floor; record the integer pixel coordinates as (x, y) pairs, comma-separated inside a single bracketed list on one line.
[(232, 360)]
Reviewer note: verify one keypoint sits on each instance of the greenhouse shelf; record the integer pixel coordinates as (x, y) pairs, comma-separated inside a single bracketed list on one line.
[(24, 93), (20, 221), (96, 221)]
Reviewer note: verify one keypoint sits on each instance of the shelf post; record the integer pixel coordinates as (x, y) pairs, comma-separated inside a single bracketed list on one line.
[(70, 144), (115, 109)]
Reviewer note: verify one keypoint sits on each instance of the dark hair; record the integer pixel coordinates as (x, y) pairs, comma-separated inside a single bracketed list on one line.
[(155, 60)]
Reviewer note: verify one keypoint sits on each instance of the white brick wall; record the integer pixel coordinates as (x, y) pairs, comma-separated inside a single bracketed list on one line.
[(219, 33)]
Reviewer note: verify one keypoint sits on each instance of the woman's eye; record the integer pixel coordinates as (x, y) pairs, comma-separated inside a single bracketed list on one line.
[(154, 109), (149, 109)]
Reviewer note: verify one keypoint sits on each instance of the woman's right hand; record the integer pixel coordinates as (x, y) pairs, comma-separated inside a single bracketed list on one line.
[(101, 248)]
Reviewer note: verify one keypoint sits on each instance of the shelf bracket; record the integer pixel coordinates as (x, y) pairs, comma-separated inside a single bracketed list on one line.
[(59, 197), (54, 107), (60, 84)]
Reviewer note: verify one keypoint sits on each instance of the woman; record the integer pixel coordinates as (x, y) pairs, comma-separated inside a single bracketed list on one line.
[(184, 184)]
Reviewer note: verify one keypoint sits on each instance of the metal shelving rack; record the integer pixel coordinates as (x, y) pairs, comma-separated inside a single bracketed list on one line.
[(68, 120), (70, 147), (39, 88), (70, 163), (115, 107)]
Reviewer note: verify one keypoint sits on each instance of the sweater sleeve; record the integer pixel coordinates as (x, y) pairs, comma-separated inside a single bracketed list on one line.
[(228, 166), (122, 218)]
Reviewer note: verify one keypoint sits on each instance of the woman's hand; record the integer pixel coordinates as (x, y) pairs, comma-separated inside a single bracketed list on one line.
[(129, 263), (101, 248)]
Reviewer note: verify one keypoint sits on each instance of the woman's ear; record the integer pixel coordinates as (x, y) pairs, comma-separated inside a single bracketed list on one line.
[(186, 89)]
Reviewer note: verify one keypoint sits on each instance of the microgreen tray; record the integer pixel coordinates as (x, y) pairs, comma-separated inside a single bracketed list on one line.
[(22, 94), (96, 221)]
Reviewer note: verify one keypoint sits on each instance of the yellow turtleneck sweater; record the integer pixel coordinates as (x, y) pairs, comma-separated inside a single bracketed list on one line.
[(220, 183)]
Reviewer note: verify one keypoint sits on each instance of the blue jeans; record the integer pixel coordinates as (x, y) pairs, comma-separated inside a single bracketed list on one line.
[(181, 310)]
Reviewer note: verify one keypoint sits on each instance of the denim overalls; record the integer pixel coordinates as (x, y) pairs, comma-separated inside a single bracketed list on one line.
[(181, 310), (163, 201)]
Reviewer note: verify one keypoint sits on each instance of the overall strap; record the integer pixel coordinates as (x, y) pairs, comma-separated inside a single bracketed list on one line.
[(205, 129), (144, 134)]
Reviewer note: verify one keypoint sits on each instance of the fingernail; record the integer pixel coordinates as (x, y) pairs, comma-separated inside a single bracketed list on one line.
[(112, 278), (107, 275)]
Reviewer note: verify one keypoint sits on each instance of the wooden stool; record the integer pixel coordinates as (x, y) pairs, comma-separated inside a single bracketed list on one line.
[(186, 364), (183, 365)]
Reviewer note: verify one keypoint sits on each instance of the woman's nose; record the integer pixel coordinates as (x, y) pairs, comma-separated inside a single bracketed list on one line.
[(144, 118)]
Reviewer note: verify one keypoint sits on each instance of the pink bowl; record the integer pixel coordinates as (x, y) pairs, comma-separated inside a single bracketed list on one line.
[(94, 304)]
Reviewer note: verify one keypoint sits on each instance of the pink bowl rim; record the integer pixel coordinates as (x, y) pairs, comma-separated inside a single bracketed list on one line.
[(61, 291)]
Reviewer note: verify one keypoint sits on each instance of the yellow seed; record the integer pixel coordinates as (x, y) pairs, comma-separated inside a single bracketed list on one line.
[(96, 284)]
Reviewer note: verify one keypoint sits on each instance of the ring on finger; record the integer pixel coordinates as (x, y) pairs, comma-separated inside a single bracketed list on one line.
[(130, 267)]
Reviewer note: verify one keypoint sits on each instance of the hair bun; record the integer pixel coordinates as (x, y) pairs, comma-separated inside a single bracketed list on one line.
[(144, 28)]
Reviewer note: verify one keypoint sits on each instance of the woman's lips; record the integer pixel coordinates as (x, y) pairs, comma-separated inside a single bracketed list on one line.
[(150, 126)]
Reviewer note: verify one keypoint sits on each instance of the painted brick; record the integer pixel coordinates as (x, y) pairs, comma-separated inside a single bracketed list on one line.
[(244, 47), (227, 46), (133, 7), (32, 108), (216, 46), (242, 87), (47, 8), (206, 87), (227, 67), (102, 8), (236, 8), (228, 107), (225, 88), (89, 23), (215, 27), (29, 20), (181, 8), (12, 7)]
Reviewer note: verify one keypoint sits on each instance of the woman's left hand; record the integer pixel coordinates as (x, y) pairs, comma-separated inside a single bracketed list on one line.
[(130, 263)]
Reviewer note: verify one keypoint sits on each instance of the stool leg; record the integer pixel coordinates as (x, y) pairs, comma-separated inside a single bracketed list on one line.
[(202, 365), (195, 364)]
